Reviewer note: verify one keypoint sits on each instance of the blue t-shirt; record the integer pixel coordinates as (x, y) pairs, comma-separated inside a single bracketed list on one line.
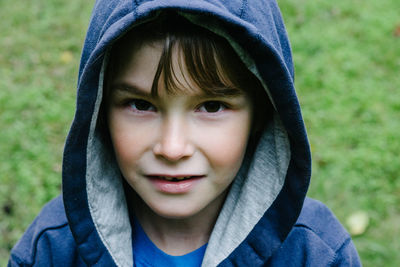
[(145, 253)]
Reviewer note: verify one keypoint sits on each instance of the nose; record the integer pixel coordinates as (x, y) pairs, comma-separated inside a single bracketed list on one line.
[(173, 143)]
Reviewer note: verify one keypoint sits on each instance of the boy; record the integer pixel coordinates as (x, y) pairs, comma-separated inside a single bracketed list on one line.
[(187, 148)]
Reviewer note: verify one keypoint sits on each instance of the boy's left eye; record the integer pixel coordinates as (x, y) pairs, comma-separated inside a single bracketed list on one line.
[(141, 105), (212, 107)]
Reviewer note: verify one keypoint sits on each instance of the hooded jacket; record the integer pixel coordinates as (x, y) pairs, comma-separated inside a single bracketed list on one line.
[(266, 219)]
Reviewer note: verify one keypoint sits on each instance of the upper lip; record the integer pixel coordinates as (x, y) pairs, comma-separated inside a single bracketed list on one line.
[(174, 176)]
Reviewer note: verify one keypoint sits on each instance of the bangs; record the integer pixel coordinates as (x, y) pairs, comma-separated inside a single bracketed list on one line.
[(201, 62), (205, 60)]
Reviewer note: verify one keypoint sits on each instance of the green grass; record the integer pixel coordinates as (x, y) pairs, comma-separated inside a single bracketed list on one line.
[(40, 46), (347, 59)]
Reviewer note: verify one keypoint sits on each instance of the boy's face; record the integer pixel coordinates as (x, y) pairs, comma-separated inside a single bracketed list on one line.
[(178, 151)]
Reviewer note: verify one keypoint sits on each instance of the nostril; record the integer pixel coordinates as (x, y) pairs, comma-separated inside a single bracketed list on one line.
[(173, 151)]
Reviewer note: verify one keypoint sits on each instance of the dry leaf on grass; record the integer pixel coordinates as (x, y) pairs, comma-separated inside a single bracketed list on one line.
[(357, 222)]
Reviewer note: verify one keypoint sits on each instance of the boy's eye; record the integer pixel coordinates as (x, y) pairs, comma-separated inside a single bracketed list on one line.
[(141, 105), (212, 107)]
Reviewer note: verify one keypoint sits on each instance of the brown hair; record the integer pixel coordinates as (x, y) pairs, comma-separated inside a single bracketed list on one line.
[(209, 60)]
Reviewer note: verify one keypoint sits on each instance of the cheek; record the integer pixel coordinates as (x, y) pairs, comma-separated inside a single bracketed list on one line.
[(128, 142), (125, 148), (225, 145)]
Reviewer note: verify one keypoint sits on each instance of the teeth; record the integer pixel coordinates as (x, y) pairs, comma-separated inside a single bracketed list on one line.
[(175, 178)]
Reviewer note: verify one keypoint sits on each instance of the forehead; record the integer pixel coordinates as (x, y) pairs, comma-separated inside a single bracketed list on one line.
[(136, 64)]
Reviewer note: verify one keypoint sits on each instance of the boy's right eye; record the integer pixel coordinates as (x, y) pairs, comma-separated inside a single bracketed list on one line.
[(141, 105)]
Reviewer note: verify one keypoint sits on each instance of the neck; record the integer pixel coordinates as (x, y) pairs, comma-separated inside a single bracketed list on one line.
[(178, 236)]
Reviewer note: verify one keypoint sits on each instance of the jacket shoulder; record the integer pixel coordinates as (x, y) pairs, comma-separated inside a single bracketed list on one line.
[(319, 219), (316, 239), (47, 241)]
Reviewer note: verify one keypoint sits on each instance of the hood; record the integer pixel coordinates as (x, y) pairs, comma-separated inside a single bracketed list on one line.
[(265, 198)]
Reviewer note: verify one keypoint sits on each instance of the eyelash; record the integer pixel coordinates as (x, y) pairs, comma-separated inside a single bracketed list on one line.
[(145, 105), (203, 108), (211, 107)]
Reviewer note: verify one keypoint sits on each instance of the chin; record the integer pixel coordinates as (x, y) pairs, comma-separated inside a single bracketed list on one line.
[(175, 213)]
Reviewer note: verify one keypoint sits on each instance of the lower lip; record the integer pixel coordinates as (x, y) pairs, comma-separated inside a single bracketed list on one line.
[(178, 187)]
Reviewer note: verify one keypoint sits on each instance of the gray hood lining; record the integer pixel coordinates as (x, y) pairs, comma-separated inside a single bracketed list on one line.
[(105, 191)]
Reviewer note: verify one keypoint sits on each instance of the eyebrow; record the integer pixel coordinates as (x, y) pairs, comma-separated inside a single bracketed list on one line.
[(218, 92), (130, 88), (225, 91)]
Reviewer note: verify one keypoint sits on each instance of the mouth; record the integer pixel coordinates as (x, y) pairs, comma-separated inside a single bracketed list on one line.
[(173, 178), (175, 184)]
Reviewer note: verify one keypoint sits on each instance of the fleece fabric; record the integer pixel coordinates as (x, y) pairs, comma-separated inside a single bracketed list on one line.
[(266, 219)]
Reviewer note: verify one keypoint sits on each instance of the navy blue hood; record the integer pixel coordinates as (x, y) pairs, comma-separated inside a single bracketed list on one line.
[(265, 199)]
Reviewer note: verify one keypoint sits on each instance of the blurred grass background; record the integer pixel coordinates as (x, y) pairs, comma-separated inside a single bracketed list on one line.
[(347, 58)]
